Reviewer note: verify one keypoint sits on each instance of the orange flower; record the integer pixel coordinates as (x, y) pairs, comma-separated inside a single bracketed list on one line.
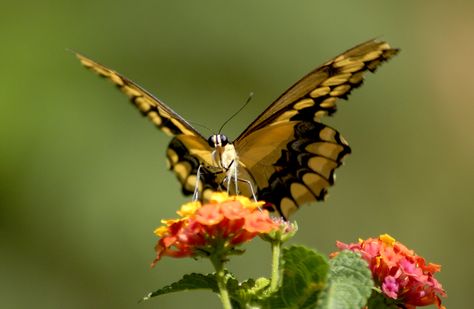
[(399, 272), (220, 225)]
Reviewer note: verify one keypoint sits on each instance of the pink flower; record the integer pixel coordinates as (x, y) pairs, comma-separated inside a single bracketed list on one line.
[(390, 287), (399, 272)]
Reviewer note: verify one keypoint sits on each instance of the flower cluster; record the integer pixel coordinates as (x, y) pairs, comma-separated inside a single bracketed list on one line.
[(402, 275), (219, 225)]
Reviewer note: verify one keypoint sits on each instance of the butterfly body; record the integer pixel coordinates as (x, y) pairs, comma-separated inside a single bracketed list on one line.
[(225, 157), (286, 156)]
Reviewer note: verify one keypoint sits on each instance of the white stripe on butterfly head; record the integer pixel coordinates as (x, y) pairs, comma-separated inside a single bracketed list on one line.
[(217, 140)]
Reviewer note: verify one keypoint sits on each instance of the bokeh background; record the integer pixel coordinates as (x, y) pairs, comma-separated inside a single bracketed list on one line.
[(83, 176)]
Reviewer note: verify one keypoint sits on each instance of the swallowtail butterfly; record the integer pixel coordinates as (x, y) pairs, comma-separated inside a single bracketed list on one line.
[(286, 155)]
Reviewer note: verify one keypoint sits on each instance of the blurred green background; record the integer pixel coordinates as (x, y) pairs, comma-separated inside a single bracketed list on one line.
[(83, 176)]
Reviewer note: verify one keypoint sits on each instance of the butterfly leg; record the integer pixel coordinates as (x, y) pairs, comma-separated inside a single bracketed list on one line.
[(231, 173), (196, 187), (236, 179), (250, 186), (228, 179)]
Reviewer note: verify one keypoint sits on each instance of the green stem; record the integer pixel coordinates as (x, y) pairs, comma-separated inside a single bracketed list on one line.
[(275, 281), (221, 282)]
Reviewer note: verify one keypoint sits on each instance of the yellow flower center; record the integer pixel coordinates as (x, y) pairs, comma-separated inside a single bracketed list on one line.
[(387, 239)]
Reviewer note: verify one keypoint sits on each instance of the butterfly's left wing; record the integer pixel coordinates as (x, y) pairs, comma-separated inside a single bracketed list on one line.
[(289, 154)]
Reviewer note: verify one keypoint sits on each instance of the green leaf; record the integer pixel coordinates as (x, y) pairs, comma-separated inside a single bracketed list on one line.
[(248, 293), (258, 286), (240, 293), (350, 283), (304, 276), (192, 281), (244, 293), (249, 289)]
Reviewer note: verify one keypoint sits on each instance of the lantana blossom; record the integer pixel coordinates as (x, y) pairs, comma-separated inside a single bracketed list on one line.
[(222, 223), (400, 274)]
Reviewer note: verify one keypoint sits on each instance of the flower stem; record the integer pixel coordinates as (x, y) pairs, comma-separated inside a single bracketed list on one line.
[(221, 282), (275, 281)]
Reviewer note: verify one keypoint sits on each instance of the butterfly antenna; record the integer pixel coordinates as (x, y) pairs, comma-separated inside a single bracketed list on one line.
[(197, 124), (238, 111)]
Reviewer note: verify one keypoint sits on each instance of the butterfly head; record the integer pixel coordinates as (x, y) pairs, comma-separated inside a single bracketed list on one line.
[(217, 140)]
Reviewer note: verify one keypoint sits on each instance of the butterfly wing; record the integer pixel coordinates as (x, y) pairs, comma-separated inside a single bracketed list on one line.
[(288, 152), (159, 113), (187, 150)]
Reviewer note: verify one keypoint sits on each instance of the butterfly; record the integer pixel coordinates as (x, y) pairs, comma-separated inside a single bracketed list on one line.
[(286, 156)]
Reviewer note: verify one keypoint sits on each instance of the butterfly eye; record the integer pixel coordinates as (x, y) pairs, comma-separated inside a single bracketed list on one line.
[(211, 141), (217, 140), (223, 140)]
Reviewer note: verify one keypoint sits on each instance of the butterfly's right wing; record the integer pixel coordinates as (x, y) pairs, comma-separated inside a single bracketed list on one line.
[(187, 150)]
